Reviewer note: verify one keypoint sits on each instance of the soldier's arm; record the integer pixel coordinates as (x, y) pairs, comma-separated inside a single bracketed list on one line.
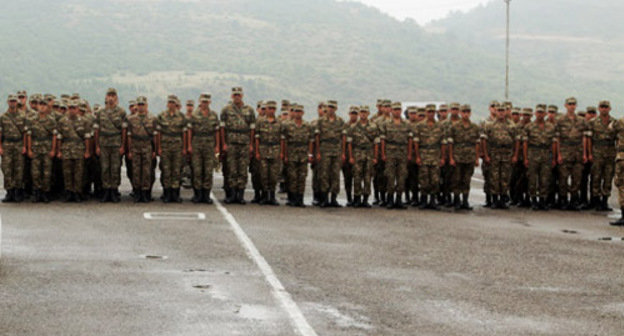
[(252, 134), (184, 141), (588, 149), (317, 141), (256, 145), (525, 151), (59, 146), (218, 140), (344, 145), (410, 146)]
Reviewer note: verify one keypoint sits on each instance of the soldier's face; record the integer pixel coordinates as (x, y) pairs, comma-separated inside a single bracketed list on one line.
[(454, 112), (465, 114), (571, 107), (515, 117), (13, 104), (271, 111), (171, 105), (396, 113), (237, 98), (604, 110), (331, 110), (111, 99), (589, 116), (353, 117), (364, 115), (22, 100), (320, 111), (413, 116), (142, 108), (526, 118), (539, 116), (43, 108), (420, 117), (501, 114), (443, 114), (431, 115), (73, 111), (189, 108)]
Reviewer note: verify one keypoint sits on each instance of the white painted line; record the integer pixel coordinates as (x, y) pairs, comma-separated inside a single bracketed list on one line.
[(174, 216), (299, 322)]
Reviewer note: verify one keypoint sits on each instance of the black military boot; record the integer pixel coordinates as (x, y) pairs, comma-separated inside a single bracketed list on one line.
[(78, 198), (9, 197), (176, 195), (488, 201), (389, 201), (207, 198), (383, 199), (148, 196), (334, 201), (495, 202), (257, 197), (19, 195), (456, 202), (376, 201), (298, 200), (465, 205), (282, 187), (605, 204), (563, 202), (423, 201), (349, 198), (290, 199), (543, 204), (115, 196), (416, 200), (44, 197), (502, 202), (591, 204), (324, 201), (197, 196), (35, 196), (398, 202), (315, 198), (241, 197), (534, 204), (137, 196), (105, 196), (230, 196), (365, 203), (448, 200), (574, 204), (272, 200), (357, 202), (619, 222), (166, 197), (432, 203)]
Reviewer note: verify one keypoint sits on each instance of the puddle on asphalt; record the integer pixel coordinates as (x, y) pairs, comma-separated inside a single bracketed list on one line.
[(154, 257), (202, 286), (570, 231)]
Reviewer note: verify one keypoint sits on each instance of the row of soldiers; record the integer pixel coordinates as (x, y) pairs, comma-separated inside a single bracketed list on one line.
[(429, 157)]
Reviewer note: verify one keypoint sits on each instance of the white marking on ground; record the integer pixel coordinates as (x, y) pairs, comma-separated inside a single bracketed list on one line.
[(343, 320), (174, 215), (299, 321)]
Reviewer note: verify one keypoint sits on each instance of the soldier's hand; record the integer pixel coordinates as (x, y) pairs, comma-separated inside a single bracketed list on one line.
[(184, 152), (251, 149), (225, 148), (52, 154), (23, 150), (452, 162), (409, 157), (87, 155), (559, 160), (554, 163), (59, 155), (352, 161), (487, 159), (318, 157), (122, 150), (343, 158), (374, 161), (477, 163), (190, 150), (97, 151), (418, 161), (153, 155), (129, 155), (1, 151), (442, 162), (311, 160), (258, 156), (30, 154), (514, 159), (159, 152), (526, 163), (216, 150), (590, 158), (383, 157)]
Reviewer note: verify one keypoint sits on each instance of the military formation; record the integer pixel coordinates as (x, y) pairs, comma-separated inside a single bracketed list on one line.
[(392, 157)]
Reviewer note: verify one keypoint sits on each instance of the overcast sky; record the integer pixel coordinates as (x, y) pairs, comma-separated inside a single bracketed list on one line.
[(422, 11)]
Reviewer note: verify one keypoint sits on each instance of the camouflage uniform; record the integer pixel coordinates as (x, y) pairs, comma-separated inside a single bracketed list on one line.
[(363, 138), (539, 143), (486, 166), (72, 133), (316, 176), (379, 175), (500, 137), (92, 168), (237, 124), (570, 133), (618, 128), (109, 123), (269, 134), (603, 150), (203, 158), (297, 139), (42, 132), (330, 136), (464, 139), (447, 171), (430, 139), (171, 129), (12, 125), (141, 131)]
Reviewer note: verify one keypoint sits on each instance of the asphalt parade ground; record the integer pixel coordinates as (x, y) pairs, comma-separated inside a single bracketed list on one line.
[(185, 269)]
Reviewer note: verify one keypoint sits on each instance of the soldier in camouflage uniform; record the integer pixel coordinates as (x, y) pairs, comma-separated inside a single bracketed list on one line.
[(90, 169), (73, 148), (347, 166), (132, 109), (411, 183), (58, 185), (601, 152), (12, 125), (585, 187), (379, 178), (485, 167), (254, 165), (110, 145), (538, 147), (204, 143), (396, 150), (501, 145), (463, 143), (297, 143), (140, 131), (187, 167), (618, 128), (571, 155), (330, 135), (363, 140), (553, 187), (428, 141), (41, 148), (287, 110), (238, 123), (316, 176), (447, 171), (268, 152), (171, 140)]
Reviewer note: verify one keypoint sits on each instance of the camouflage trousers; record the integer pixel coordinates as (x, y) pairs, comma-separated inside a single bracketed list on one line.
[(269, 173), (396, 173), (570, 171), (297, 172), (171, 165), (362, 176), (347, 175), (92, 175), (411, 184), (41, 169), (316, 180), (429, 178), (619, 181), (141, 170), (254, 170), (539, 174), (237, 164), (13, 165), (203, 163), (602, 175), (73, 170), (462, 175), (500, 173), (329, 171), (486, 168), (585, 187), (110, 161), (519, 179), (379, 177)]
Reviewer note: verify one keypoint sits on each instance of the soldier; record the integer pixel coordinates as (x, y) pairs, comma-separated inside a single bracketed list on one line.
[(316, 176), (268, 152), (171, 143), (298, 146), (515, 115), (463, 143), (132, 108), (363, 145), (585, 187), (501, 146), (73, 147), (12, 149), (553, 188), (347, 166), (254, 165), (396, 150), (618, 127), (411, 183), (286, 110), (204, 146), (539, 148), (110, 145), (58, 185), (519, 179), (90, 169), (428, 142), (141, 132), (571, 155), (187, 168), (330, 153), (447, 170), (238, 123), (601, 152), (485, 168), (379, 179)]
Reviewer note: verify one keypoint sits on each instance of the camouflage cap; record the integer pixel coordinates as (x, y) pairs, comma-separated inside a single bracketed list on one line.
[(237, 90), (354, 109), (379, 102), (75, 96), (63, 106), (205, 97), (286, 102), (454, 106), (34, 98), (271, 104), (172, 99), (332, 103), (132, 102), (494, 103), (72, 103), (421, 111), (259, 104), (551, 108), (364, 108), (190, 102), (508, 105), (321, 104), (466, 107), (443, 107), (12, 97), (49, 97), (412, 110), (21, 94), (286, 109), (141, 100), (515, 110), (592, 109), (111, 91), (604, 103), (397, 106), (527, 111), (580, 113), (56, 104), (570, 100), (42, 100), (386, 103), (500, 107), (539, 108), (430, 107), (65, 96)]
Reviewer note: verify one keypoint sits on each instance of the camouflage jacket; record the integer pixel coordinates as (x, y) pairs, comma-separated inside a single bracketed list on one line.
[(297, 140), (12, 127), (396, 138), (141, 131), (539, 141), (72, 132), (363, 139), (238, 123), (330, 135), (501, 137), (269, 134), (171, 127), (110, 122), (430, 139), (570, 133), (603, 138), (464, 139), (618, 128), (41, 132), (203, 128)]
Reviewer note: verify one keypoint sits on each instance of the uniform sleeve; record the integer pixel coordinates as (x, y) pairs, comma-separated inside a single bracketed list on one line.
[(223, 117), (96, 121), (416, 135), (589, 129), (450, 136)]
